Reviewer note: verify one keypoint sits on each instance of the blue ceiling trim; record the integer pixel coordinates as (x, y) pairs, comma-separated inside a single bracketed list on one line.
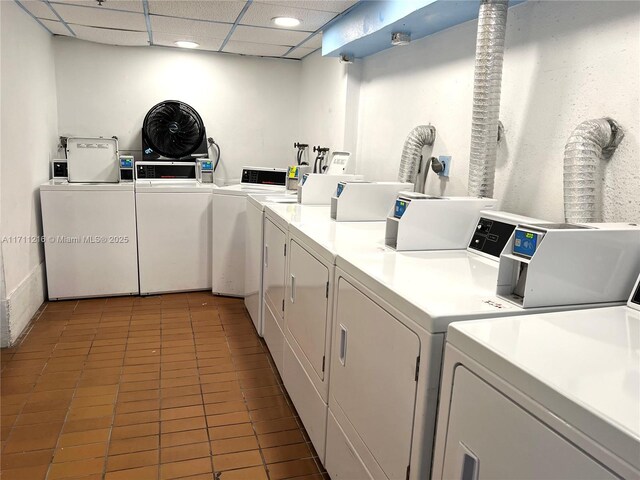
[(59, 17), (321, 29), (368, 27), (33, 16), (147, 20), (235, 24)]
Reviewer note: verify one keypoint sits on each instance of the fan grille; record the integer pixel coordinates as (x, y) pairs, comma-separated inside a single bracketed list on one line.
[(173, 129)]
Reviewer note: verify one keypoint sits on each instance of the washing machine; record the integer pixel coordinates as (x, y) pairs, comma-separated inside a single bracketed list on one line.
[(90, 239), (173, 215), (88, 220), (542, 397), (391, 311), (229, 220)]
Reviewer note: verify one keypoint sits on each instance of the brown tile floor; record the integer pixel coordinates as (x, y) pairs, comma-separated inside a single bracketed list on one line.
[(163, 387)]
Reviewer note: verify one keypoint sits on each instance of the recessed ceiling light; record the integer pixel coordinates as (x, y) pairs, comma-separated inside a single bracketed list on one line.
[(187, 44), (286, 21)]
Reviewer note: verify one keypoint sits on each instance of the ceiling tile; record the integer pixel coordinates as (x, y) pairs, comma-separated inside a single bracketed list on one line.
[(169, 39), (314, 42), (260, 49), (57, 28), (111, 37), (260, 14), (184, 27), (128, 5), (39, 9), (97, 17), (268, 36), (322, 5), (301, 52), (219, 11)]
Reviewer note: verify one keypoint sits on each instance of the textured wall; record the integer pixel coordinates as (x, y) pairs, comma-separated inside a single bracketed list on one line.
[(565, 62)]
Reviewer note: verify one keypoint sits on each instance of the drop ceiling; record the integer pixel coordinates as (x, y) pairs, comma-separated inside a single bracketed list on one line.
[(232, 26)]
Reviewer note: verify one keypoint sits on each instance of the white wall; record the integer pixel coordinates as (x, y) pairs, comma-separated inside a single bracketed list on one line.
[(565, 62), (249, 105), (29, 138), (329, 92)]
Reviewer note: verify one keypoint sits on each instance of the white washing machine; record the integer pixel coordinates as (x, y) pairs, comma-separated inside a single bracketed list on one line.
[(391, 312), (90, 239), (229, 213), (174, 235), (542, 397)]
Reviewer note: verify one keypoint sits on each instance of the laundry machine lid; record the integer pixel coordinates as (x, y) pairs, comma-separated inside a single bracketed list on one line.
[(60, 185), (180, 186)]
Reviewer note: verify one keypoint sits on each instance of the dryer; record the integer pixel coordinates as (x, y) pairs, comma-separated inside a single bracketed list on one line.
[(559, 393), (390, 315), (229, 219)]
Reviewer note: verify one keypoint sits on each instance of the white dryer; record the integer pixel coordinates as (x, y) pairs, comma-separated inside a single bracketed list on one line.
[(257, 252), (542, 396), (174, 235), (391, 313), (229, 220)]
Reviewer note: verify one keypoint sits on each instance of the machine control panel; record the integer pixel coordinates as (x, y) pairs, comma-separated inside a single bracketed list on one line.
[(206, 166), (491, 236), (59, 169), (126, 168), (266, 176), (525, 243), (165, 170), (401, 207)]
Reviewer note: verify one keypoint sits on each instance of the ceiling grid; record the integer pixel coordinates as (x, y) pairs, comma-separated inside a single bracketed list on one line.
[(243, 27)]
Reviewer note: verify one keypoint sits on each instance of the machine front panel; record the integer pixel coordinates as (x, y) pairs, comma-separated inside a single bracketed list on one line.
[(264, 177), (491, 236)]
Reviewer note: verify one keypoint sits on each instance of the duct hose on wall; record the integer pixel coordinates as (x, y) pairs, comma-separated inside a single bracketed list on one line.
[(492, 24), (418, 138), (590, 142)]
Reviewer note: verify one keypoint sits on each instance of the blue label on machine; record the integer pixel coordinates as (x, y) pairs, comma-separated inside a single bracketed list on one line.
[(207, 166), (401, 206), (525, 243), (340, 189), (126, 163), (304, 178)]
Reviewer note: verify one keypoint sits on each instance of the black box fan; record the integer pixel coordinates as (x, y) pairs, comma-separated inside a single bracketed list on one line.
[(173, 130)]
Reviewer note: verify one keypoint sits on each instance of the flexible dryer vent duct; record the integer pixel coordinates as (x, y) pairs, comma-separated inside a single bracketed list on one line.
[(589, 143), (418, 138), (492, 23)]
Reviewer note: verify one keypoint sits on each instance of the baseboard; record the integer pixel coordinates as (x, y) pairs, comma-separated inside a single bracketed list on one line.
[(21, 304)]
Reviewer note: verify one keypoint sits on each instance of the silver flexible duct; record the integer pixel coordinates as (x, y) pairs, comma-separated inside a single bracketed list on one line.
[(418, 138), (590, 142), (492, 24)]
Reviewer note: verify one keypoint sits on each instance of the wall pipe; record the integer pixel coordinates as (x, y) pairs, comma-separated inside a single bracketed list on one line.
[(591, 142), (492, 24), (418, 138)]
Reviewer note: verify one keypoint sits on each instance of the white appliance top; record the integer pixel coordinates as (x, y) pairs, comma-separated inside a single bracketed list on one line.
[(329, 238), (584, 366), (178, 186), (260, 200), (436, 288), (284, 213), (247, 189), (63, 184)]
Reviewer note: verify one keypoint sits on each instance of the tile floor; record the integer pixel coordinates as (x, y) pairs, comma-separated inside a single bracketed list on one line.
[(163, 387)]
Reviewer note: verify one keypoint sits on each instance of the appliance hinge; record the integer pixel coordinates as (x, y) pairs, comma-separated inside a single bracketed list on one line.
[(408, 470), (417, 367), (326, 293), (283, 305), (323, 359), (285, 249)]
